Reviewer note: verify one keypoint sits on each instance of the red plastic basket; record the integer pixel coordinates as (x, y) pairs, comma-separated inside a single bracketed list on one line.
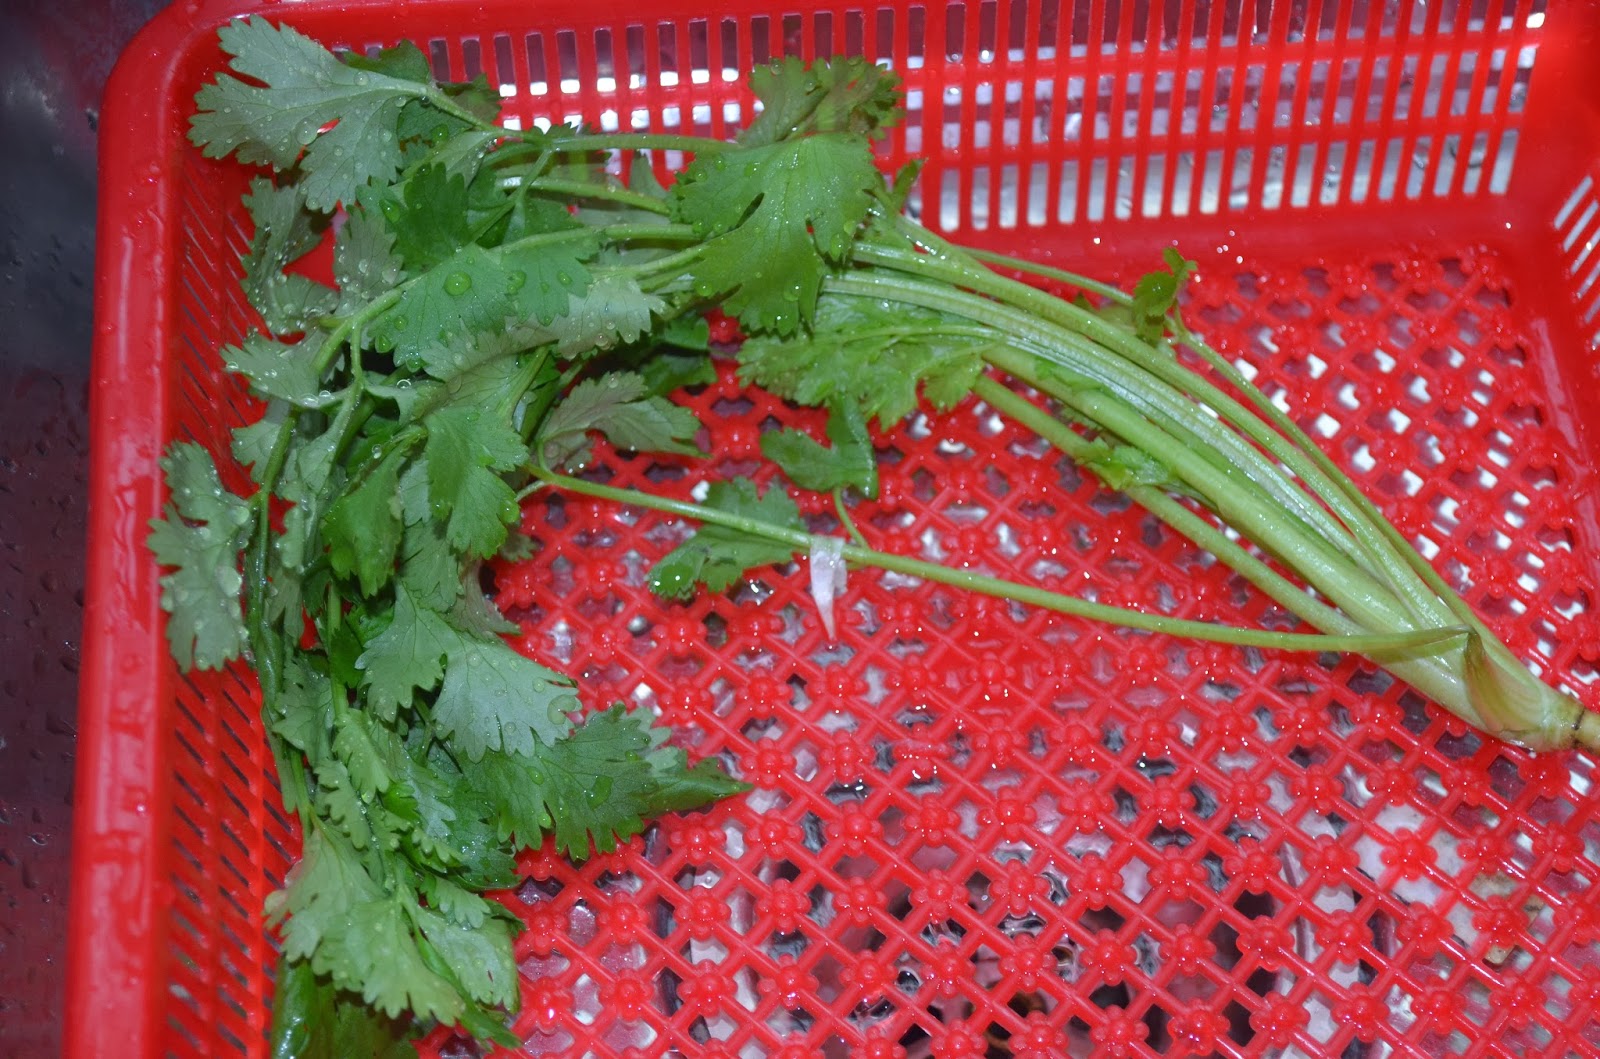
[(978, 830)]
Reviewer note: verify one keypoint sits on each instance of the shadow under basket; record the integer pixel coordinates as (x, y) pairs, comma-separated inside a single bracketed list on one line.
[(977, 830)]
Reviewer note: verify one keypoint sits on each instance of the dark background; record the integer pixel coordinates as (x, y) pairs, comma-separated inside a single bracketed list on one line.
[(54, 60)]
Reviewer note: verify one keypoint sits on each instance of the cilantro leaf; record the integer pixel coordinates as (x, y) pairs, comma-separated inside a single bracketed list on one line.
[(1157, 292), (666, 371), (429, 569), (283, 233), (1123, 466), (307, 478), (339, 802), (313, 1019), (716, 556), (302, 710), (474, 613), (532, 214), (617, 405), (477, 291), (613, 310), (381, 943), (595, 788), (303, 89), (680, 786), (496, 699), (692, 333), (404, 60), (356, 744), (378, 948), (479, 957), (459, 905), (467, 449), (872, 355), (423, 802), (428, 216), (364, 261), (287, 372), (200, 537), (850, 462), (775, 219), (408, 655), (363, 529), (491, 697), (252, 443), (840, 95), (319, 892)]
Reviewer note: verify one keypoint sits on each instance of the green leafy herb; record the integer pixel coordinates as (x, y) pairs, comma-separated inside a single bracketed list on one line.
[(200, 538), (775, 222), (1156, 293), (337, 124), (619, 406), (849, 463), (716, 556)]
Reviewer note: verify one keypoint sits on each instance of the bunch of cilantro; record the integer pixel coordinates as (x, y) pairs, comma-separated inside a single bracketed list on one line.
[(498, 298)]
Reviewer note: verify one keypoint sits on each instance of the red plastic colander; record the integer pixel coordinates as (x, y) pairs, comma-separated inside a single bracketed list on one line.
[(977, 830)]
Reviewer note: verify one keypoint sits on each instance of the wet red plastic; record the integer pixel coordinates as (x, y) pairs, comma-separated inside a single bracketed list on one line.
[(977, 830)]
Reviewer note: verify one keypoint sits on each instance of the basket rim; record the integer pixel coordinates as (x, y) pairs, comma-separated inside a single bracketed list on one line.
[(121, 786)]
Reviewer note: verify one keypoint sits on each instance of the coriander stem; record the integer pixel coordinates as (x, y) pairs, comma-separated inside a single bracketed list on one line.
[(1152, 499), (801, 541), (1050, 344), (1340, 481), (1116, 295), (921, 235), (1233, 497), (1429, 674), (1355, 525), (638, 141), (577, 189), (846, 521), (265, 644)]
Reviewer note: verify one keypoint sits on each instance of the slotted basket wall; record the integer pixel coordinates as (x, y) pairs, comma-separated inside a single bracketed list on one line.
[(978, 830)]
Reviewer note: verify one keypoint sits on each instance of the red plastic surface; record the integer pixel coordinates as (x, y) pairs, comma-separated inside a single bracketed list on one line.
[(978, 830)]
